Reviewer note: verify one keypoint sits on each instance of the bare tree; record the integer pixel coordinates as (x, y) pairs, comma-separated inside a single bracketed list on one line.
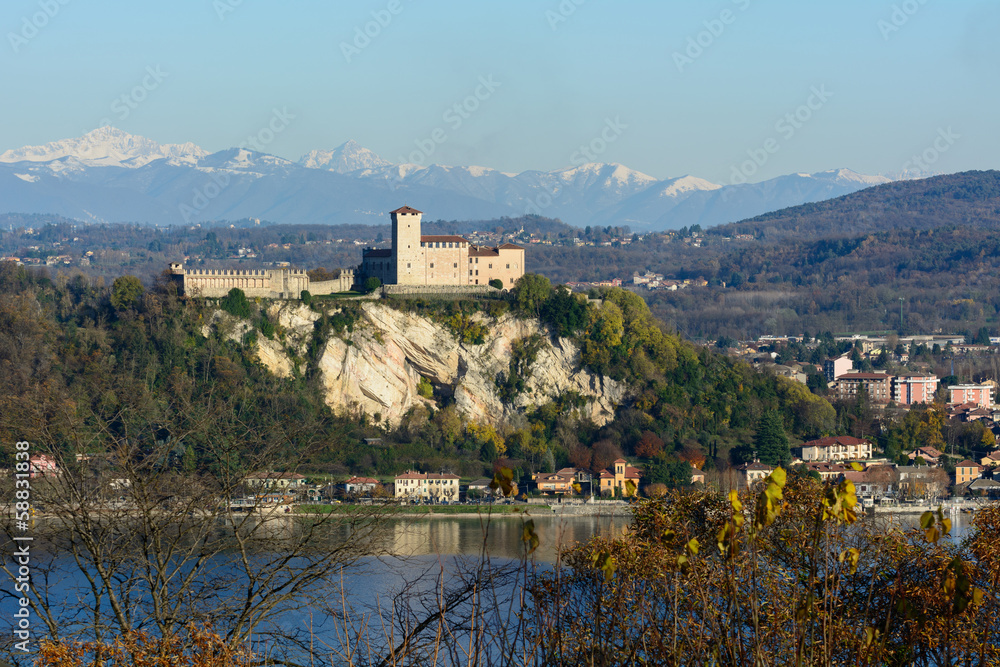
[(134, 544)]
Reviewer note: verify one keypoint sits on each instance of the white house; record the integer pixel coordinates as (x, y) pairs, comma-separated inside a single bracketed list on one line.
[(275, 480), (427, 486)]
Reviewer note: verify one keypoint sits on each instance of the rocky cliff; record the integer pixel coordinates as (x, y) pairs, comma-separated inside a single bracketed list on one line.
[(378, 366)]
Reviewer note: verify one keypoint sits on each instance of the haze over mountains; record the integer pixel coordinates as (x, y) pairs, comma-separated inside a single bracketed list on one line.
[(110, 176)]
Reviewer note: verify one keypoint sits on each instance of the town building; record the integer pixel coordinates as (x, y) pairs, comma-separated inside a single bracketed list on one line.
[(754, 472), (360, 485), (615, 481), (413, 486), (275, 480), (444, 260), (837, 448), (877, 385), (930, 455), (834, 368), (980, 394), (967, 471), (911, 389)]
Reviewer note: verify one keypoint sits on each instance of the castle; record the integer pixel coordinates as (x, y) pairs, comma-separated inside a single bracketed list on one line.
[(413, 260), (417, 259)]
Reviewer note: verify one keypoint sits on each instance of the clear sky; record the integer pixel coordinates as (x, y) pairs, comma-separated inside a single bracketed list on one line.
[(892, 77)]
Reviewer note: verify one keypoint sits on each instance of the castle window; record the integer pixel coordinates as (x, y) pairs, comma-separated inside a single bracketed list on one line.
[(456, 265), (508, 266), (477, 273), (470, 260), (432, 265), (470, 272), (491, 266), (407, 265)]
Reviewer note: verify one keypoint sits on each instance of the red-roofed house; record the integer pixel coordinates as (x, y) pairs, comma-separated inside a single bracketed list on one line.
[(837, 448), (615, 480)]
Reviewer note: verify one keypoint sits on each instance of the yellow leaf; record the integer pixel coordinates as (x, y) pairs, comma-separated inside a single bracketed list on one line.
[(778, 477), (692, 546), (857, 467), (577, 488), (926, 520)]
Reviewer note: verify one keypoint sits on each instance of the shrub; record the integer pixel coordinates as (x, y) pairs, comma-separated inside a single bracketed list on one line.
[(306, 297), (125, 292), (496, 283), (372, 284), (236, 304)]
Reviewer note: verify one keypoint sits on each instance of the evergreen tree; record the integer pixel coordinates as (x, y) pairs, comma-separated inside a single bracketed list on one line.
[(770, 441)]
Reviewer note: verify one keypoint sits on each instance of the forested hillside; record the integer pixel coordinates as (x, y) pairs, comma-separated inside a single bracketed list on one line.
[(87, 364)]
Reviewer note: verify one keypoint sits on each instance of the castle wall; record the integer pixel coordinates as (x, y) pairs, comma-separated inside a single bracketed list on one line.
[(267, 283), (344, 283), (445, 266)]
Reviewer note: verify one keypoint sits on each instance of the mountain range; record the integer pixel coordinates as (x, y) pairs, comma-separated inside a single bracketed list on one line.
[(110, 176)]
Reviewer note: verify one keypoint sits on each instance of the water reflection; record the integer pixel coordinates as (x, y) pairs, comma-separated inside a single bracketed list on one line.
[(499, 536)]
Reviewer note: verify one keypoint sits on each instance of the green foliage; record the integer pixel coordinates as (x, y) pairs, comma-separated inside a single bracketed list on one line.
[(672, 473), (466, 329), (770, 440), (530, 292), (425, 388), (371, 284), (306, 297), (236, 304), (523, 353), (126, 292), (266, 327), (496, 283)]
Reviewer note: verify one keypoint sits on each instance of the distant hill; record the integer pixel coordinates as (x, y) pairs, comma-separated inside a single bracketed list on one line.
[(970, 198)]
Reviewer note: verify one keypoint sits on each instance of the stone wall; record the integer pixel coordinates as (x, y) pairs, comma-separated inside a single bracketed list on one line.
[(263, 283)]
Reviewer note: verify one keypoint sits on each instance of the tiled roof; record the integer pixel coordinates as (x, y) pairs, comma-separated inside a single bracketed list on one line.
[(377, 252), (968, 464), (511, 246), (406, 210), (483, 251), (443, 238)]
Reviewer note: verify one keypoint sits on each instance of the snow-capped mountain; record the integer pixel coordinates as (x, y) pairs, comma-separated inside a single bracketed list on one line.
[(349, 156), (109, 175), (106, 147)]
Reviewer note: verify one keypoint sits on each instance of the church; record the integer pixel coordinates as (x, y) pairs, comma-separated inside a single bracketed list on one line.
[(417, 259)]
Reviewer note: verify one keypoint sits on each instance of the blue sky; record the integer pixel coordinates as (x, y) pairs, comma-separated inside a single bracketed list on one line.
[(894, 77)]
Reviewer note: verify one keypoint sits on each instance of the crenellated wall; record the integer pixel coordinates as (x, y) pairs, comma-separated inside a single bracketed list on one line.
[(265, 283)]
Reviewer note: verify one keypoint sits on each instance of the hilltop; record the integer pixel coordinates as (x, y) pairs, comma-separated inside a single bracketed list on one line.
[(966, 199), (538, 382)]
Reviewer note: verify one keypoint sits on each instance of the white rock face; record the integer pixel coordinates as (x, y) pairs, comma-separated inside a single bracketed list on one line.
[(380, 369), (377, 368)]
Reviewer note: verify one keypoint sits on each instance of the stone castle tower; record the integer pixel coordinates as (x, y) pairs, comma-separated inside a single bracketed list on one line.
[(409, 258)]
